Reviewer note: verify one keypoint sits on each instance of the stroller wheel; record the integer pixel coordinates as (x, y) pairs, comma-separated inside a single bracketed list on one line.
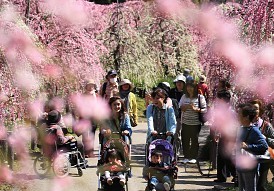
[(80, 171), (61, 165)]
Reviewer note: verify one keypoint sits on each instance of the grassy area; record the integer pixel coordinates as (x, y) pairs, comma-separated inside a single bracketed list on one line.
[(141, 108)]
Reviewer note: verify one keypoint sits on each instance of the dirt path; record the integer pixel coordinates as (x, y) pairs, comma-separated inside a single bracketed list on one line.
[(187, 180)]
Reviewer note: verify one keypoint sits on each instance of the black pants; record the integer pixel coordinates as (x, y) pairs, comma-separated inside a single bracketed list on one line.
[(262, 180), (190, 134), (224, 163)]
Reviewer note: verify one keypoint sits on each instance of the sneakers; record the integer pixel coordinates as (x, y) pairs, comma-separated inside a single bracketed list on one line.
[(122, 182), (185, 161), (153, 189), (192, 161), (166, 186), (109, 181)]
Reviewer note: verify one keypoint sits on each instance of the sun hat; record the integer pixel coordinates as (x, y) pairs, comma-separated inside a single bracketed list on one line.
[(126, 81), (111, 72), (54, 117), (90, 81), (180, 77)]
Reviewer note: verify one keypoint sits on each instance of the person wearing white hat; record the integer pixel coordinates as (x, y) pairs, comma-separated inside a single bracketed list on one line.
[(176, 93), (125, 88)]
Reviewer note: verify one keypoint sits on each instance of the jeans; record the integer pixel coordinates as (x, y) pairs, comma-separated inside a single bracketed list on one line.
[(154, 181)]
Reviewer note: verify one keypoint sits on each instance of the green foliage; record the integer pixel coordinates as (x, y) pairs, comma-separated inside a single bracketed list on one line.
[(141, 107)]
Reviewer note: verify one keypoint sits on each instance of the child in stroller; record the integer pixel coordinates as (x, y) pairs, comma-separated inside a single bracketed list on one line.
[(161, 170), (113, 166)]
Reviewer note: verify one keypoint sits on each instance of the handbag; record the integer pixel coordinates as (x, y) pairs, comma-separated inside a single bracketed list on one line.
[(133, 122), (202, 117), (260, 158)]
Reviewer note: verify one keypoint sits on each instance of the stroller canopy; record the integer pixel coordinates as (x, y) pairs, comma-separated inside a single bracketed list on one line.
[(162, 145)]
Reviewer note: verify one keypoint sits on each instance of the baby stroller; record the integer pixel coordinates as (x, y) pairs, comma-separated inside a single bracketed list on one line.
[(66, 156), (124, 152), (169, 157), (161, 136)]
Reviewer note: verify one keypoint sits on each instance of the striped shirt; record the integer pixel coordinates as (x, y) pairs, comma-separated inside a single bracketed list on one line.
[(191, 117)]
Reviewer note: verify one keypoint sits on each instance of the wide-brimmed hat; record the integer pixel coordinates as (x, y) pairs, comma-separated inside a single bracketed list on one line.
[(111, 72), (126, 81), (180, 78), (54, 117), (91, 81), (202, 78)]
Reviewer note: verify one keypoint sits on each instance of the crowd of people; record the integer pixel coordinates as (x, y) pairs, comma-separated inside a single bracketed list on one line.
[(175, 112)]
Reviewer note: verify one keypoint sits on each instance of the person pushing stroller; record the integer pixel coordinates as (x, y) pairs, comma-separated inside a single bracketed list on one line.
[(157, 172)]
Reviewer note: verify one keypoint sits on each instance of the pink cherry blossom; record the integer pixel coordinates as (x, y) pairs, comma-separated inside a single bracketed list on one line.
[(60, 184), (18, 141), (245, 162), (26, 80), (53, 71), (65, 9), (89, 107), (5, 175), (35, 109), (82, 126)]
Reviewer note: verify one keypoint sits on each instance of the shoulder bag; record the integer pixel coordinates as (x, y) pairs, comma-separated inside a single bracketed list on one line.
[(202, 117)]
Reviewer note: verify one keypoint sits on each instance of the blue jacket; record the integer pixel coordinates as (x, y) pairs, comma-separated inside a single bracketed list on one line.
[(170, 119), (254, 139), (124, 125)]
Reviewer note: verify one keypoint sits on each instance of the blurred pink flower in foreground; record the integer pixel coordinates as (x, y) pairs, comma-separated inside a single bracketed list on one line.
[(60, 184), (18, 140), (169, 7), (35, 109), (265, 57), (3, 132), (245, 162), (3, 97), (88, 107), (72, 11), (52, 71), (82, 126), (5, 175), (26, 80), (58, 103), (68, 120), (225, 124), (224, 119)]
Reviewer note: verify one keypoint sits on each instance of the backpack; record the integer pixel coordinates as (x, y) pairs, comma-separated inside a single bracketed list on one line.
[(104, 89), (176, 108)]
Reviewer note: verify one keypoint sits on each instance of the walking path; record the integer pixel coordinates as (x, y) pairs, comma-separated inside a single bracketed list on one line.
[(189, 180)]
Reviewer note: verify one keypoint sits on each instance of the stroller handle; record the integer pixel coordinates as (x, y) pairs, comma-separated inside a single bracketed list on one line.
[(161, 135), (118, 133)]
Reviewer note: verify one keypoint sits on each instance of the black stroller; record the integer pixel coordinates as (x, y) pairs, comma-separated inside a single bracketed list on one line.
[(124, 152)]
